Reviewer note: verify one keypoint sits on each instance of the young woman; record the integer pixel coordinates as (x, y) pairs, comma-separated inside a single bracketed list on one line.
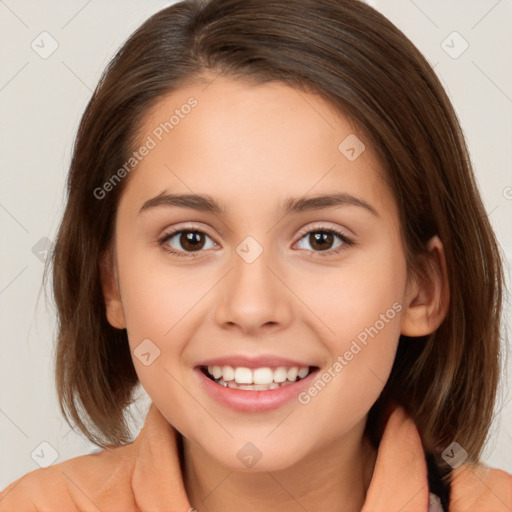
[(273, 225)]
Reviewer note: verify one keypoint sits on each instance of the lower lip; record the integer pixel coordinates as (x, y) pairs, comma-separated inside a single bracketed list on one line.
[(244, 400)]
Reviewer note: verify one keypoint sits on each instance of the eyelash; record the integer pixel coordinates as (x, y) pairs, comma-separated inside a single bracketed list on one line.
[(347, 242)]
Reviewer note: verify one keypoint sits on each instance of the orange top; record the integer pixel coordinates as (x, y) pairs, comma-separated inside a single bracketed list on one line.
[(145, 476)]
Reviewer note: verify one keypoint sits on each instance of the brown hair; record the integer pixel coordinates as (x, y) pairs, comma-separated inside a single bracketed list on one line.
[(365, 67)]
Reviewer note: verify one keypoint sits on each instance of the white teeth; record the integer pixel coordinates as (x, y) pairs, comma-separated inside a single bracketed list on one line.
[(216, 372), (228, 373), (292, 374), (280, 374), (265, 376), (243, 376), (251, 387), (303, 372)]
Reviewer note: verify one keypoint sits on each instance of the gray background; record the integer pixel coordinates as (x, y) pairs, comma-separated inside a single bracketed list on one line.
[(41, 101)]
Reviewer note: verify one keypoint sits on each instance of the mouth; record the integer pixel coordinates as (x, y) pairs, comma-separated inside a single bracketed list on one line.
[(256, 379)]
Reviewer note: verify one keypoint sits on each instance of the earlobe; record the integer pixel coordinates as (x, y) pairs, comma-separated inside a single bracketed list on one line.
[(111, 295), (427, 297)]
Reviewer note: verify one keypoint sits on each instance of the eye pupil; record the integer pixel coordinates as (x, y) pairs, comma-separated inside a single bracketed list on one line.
[(191, 240), (320, 238)]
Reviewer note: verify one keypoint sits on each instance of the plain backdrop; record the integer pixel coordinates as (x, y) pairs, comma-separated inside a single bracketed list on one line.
[(41, 100)]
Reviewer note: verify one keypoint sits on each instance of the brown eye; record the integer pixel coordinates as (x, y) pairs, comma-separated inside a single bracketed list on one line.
[(321, 240), (324, 240), (186, 241), (191, 240)]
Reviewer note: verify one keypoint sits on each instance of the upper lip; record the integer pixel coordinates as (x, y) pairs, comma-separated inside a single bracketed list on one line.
[(254, 362)]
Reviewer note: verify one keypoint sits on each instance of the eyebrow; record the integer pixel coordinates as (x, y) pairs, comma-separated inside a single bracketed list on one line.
[(290, 205)]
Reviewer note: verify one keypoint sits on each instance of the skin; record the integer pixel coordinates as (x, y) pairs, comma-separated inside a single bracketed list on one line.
[(250, 147)]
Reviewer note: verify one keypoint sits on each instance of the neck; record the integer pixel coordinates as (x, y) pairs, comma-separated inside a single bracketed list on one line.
[(333, 477)]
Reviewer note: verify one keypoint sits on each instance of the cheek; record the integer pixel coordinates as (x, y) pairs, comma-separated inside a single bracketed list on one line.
[(156, 296), (353, 296), (147, 305), (361, 307)]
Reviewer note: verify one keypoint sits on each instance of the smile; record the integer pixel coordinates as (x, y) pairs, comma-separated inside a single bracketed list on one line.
[(255, 379), (256, 389)]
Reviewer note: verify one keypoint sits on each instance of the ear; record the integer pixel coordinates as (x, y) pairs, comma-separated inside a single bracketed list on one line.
[(427, 297), (110, 287)]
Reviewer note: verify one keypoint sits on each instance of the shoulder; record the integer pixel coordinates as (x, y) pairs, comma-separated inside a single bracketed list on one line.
[(480, 488), (82, 483)]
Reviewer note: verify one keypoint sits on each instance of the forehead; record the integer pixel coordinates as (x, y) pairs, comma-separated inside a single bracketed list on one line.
[(239, 142)]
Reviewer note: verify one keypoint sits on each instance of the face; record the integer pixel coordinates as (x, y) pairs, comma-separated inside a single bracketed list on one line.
[(255, 284)]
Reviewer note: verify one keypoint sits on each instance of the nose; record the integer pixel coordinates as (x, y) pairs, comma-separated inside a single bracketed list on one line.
[(253, 297)]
